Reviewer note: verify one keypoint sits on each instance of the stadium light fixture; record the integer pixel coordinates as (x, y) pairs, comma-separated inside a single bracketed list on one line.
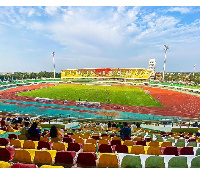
[(194, 69), (53, 53), (165, 48)]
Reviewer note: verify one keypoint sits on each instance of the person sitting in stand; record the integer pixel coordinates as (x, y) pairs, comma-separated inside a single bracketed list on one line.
[(3, 122), (55, 134), (24, 131), (125, 131), (33, 131)]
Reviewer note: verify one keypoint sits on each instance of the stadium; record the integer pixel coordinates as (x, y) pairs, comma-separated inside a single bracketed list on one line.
[(89, 108)]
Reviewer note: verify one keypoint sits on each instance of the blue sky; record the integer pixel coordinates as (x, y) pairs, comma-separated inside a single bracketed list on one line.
[(86, 37)]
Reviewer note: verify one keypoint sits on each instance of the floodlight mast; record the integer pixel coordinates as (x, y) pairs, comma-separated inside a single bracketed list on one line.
[(53, 53), (194, 69), (165, 48)]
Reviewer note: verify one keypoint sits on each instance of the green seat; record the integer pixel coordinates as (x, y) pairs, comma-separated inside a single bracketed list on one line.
[(155, 162), (131, 162), (171, 140), (178, 162), (198, 152), (180, 144), (192, 144), (195, 163), (159, 139), (181, 140)]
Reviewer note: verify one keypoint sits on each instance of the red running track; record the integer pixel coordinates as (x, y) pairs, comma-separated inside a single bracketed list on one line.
[(176, 103)]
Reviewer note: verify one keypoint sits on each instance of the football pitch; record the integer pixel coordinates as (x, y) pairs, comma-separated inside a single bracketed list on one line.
[(131, 96)]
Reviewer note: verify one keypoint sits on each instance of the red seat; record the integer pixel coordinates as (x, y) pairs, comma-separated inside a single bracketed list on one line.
[(112, 136), (22, 165), (4, 141), (33, 139), (105, 148), (13, 136), (148, 139), (74, 147), (7, 154), (96, 137), (65, 157), (67, 136), (86, 159), (70, 133), (67, 140), (121, 148), (104, 135), (126, 138), (170, 151), (115, 142), (186, 151), (44, 144), (141, 143)]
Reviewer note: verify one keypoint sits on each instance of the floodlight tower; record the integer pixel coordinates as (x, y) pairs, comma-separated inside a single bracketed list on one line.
[(53, 53), (194, 69), (165, 48)]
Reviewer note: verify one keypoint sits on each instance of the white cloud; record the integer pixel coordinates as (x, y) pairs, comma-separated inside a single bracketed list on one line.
[(182, 10), (51, 10)]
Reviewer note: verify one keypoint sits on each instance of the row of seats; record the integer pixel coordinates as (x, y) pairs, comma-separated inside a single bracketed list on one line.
[(101, 160)]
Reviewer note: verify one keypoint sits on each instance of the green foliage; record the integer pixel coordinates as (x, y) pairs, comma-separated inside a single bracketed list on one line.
[(105, 94)]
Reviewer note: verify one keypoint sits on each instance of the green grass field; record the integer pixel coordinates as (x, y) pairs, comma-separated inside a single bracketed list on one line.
[(132, 96)]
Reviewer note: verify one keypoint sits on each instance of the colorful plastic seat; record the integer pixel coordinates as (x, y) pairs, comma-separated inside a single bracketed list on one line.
[(79, 140), (105, 148), (59, 146), (141, 143), (108, 161), (92, 141), (131, 162), (50, 166), (155, 162), (22, 156), (7, 154), (195, 163), (74, 147), (103, 141), (43, 158), (67, 140), (170, 151), (4, 141), (128, 143), (86, 159), (16, 143), (154, 150), (115, 142), (4, 164), (178, 162), (89, 147), (28, 144), (166, 144), (13, 136), (65, 158), (121, 149), (154, 143), (137, 149), (44, 144), (186, 151)]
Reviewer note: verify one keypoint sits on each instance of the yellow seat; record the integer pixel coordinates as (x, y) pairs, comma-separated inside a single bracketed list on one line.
[(43, 157), (166, 144), (2, 132), (28, 144), (32, 153), (154, 143), (103, 141), (16, 143), (22, 156), (92, 141), (154, 150), (89, 148), (78, 140), (108, 160), (137, 149), (128, 143), (4, 164), (59, 146), (49, 166)]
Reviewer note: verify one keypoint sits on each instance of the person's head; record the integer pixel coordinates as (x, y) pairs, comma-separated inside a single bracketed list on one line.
[(34, 125), (125, 124), (53, 132), (26, 124)]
